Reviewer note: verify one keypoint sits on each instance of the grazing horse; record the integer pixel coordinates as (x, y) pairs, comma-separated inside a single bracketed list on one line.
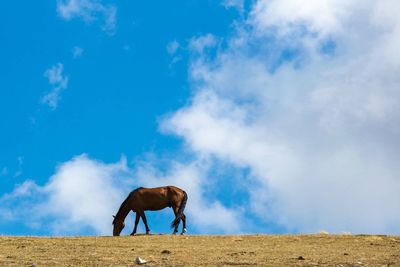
[(142, 199)]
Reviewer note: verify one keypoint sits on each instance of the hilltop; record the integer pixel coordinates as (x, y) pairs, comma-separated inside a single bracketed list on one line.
[(203, 250)]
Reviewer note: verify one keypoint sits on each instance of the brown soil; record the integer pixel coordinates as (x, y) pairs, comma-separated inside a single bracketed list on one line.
[(202, 250)]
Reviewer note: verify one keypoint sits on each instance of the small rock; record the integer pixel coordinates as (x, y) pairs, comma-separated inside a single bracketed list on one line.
[(140, 261), (301, 258), (166, 251), (346, 254)]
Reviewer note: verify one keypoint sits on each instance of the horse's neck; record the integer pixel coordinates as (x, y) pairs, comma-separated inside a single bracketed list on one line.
[(124, 210)]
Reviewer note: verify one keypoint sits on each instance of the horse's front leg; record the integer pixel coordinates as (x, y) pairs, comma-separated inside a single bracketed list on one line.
[(136, 223), (145, 222)]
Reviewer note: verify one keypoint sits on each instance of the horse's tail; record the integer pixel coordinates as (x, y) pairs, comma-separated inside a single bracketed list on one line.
[(180, 214)]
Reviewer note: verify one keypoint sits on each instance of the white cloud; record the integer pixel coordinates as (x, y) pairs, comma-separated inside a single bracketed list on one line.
[(20, 161), (77, 52), (27, 188), (89, 10), (198, 44), (239, 4), (58, 81), (317, 16), (26, 208), (319, 131), (84, 193), (55, 75), (172, 47)]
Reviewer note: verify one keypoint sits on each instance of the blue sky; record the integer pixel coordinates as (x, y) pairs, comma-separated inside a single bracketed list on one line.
[(275, 116), (117, 88)]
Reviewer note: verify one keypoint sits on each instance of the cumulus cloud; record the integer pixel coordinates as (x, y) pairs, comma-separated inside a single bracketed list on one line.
[(83, 191), (89, 11), (83, 194), (321, 17), (59, 82), (307, 97)]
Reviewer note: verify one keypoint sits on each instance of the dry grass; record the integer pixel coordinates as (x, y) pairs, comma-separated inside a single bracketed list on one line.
[(201, 250)]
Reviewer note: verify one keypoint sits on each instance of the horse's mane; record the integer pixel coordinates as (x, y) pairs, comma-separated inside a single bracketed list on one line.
[(124, 203)]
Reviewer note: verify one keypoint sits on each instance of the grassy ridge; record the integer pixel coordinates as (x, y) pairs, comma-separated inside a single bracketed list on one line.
[(202, 250)]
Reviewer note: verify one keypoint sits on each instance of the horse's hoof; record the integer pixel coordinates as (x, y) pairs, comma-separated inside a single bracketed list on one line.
[(147, 232), (174, 233), (133, 234), (183, 231)]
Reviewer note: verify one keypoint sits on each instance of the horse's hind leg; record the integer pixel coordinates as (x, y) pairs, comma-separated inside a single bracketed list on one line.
[(176, 210), (136, 223), (184, 224), (145, 222)]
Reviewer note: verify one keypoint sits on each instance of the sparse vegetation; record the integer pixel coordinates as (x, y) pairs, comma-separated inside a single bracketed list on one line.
[(202, 250)]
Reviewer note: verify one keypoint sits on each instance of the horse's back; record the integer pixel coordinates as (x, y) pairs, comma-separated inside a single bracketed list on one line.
[(174, 189), (160, 190)]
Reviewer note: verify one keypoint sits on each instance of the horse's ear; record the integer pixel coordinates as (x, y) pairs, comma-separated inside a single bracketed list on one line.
[(114, 216)]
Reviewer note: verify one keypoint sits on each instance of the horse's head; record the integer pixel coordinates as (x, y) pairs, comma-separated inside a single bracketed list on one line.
[(118, 226)]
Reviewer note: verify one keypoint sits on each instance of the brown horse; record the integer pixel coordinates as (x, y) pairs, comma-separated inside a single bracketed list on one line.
[(142, 199)]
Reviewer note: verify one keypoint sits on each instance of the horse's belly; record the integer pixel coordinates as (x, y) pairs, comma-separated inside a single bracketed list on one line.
[(156, 207)]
